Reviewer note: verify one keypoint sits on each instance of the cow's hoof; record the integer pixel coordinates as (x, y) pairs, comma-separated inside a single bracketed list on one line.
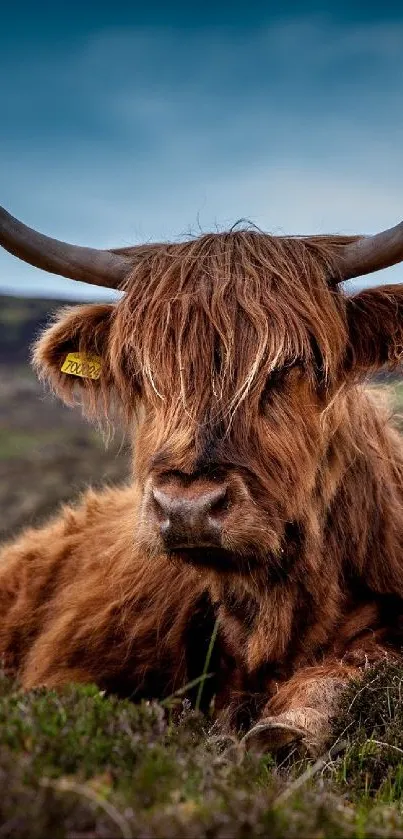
[(270, 735), (304, 727)]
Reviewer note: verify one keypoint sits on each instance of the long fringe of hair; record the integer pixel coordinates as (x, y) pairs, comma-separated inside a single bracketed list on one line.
[(203, 323)]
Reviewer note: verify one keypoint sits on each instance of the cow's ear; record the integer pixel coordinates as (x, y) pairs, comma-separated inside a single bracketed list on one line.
[(375, 329), (71, 355)]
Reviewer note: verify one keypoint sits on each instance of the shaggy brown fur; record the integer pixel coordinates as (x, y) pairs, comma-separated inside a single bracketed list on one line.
[(235, 361)]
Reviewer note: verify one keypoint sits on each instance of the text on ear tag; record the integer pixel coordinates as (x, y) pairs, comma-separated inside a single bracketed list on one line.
[(80, 364)]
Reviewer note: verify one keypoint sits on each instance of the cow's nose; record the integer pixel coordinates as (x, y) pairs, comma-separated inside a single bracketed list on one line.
[(191, 521)]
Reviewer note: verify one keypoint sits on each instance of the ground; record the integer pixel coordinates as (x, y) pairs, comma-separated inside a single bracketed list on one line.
[(79, 764)]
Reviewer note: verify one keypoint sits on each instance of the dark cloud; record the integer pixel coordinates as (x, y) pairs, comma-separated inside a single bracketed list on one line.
[(122, 123)]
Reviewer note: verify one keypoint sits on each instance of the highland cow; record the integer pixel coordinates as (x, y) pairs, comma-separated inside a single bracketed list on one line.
[(267, 490)]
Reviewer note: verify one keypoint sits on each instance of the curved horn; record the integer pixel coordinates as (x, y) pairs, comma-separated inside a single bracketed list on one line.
[(371, 253), (89, 265)]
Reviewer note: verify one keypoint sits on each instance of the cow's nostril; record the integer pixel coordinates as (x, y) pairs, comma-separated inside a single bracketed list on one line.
[(220, 505), (161, 506)]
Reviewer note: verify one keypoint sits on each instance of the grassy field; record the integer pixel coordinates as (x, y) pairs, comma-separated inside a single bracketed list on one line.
[(81, 765), (78, 764)]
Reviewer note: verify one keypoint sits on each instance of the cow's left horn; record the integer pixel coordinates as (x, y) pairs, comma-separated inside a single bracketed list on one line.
[(371, 253), (97, 267)]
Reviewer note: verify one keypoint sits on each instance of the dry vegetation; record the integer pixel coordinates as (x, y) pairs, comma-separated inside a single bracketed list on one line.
[(80, 764)]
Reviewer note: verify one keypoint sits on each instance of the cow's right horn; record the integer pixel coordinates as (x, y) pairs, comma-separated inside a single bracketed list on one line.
[(371, 253)]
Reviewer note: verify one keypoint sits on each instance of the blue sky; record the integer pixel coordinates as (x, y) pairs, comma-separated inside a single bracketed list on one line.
[(123, 123)]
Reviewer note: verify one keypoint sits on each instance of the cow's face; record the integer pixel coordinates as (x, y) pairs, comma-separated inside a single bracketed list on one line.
[(225, 359), (218, 490)]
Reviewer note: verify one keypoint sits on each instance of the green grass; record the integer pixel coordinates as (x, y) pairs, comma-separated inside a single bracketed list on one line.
[(18, 443), (77, 763), (398, 397)]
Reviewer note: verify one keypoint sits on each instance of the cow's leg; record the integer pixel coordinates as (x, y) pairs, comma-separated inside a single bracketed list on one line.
[(301, 709)]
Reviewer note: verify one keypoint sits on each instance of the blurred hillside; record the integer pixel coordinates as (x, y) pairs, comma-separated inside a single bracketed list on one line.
[(48, 453), (20, 322)]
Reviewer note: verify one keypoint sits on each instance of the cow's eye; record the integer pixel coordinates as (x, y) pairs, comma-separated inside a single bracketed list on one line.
[(276, 382), (318, 363), (277, 378)]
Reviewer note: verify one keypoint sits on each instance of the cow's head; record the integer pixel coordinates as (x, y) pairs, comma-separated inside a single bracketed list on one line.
[(225, 355)]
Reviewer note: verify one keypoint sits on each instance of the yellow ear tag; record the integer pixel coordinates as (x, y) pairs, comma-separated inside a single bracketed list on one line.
[(80, 364)]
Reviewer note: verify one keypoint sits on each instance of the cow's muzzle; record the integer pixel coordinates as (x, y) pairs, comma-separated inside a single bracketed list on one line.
[(192, 515)]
